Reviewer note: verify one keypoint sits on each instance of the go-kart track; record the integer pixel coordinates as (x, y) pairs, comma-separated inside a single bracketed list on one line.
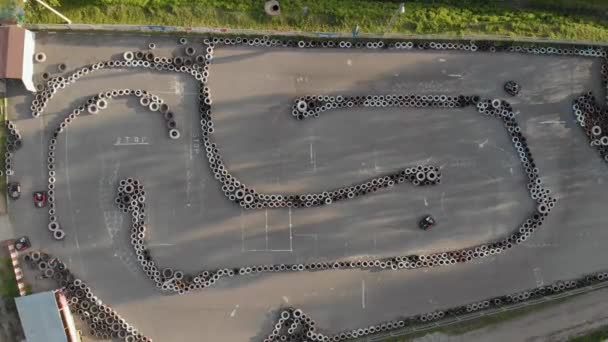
[(270, 183)]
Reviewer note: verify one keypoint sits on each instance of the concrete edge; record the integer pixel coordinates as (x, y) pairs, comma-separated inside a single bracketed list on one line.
[(480, 314), (155, 29)]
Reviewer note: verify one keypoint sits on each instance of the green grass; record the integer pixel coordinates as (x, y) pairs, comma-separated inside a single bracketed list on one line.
[(8, 284), (562, 19), (485, 321), (597, 335), (3, 132)]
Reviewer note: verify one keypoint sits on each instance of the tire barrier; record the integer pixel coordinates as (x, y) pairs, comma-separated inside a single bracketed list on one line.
[(272, 7), (249, 199), (13, 143), (40, 57), (131, 198), (94, 105), (294, 325), (199, 68), (512, 88), (234, 190), (102, 321), (594, 121)]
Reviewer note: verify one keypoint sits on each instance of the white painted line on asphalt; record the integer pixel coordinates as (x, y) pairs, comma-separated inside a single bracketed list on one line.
[(161, 244), (266, 215), (165, 92), (286, 299), (375, 162), (538, 277), (188, 174), (426, 203), (313, 159), (290, 232), (233, 313), (455, 75), (242, 232), (177, 86), (560, 122), (375, 242), (130, 144), (363, 293), (314, 236)]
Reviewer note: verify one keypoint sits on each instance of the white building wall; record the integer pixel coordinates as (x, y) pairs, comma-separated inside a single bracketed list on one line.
[(28, 60)]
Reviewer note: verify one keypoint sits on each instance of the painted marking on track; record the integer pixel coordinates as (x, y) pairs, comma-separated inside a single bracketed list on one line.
[(285, 299), (483, 143), (242, 232), (267, 226), (130, 144), (559, 122), (189, 151), (539, 277), (233, 313), (363, 293), (375, 242), (313, 157), (131, 141), (426, 203), (266, 215), (173, 92), (290, 232), (455, 75), (196, 144), (177, 86), (349, 62), (375, 161)]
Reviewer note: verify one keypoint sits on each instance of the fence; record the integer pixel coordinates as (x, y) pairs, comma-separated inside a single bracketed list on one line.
[(210, 30), (481, 314)]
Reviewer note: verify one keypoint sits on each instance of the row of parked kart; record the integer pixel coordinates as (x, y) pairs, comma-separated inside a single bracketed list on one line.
[(14, 192), (40, 201)]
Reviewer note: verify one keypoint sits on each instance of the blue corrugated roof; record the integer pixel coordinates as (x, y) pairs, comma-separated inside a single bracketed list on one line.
[(40, 318)]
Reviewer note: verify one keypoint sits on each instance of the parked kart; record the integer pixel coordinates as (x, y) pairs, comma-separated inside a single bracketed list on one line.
[(40, 199), (22, 243), (14, 190)]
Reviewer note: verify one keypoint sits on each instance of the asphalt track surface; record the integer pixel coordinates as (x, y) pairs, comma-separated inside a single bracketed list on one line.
[(482, 195)]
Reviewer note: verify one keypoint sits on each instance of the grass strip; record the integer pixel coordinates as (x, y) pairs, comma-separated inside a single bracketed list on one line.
[(482, 322), (8, 283), (3, 131), (597, 335), (576, 19)]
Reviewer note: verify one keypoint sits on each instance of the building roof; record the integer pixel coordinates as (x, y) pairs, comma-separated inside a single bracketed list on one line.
[(40, 318), (12, 43)]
